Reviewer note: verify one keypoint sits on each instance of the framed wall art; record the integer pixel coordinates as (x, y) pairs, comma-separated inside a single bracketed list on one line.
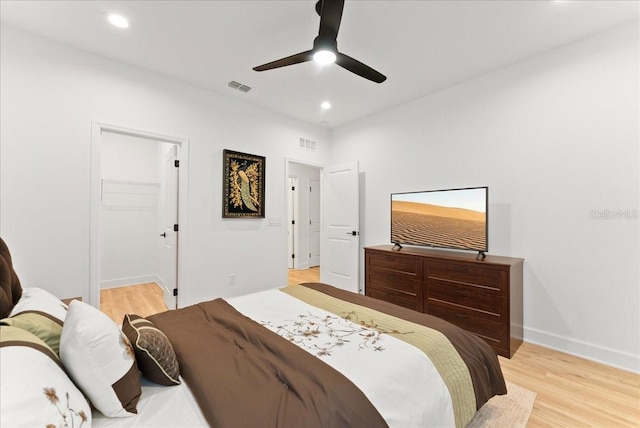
[(242, 185)]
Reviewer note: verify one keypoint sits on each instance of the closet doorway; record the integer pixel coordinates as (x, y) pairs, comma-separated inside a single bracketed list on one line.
[(303, 222), (138, 198)]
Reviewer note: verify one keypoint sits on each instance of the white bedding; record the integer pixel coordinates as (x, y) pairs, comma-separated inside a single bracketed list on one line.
[(398, 379), (159, 407)]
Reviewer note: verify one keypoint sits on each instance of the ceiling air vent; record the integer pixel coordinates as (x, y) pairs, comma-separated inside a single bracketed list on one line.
[(239, 86), (307, 144)]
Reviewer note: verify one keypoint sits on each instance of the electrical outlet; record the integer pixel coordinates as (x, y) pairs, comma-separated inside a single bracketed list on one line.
[(232, 279)]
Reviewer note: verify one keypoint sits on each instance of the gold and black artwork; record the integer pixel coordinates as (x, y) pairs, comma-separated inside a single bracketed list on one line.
[(243, 185)]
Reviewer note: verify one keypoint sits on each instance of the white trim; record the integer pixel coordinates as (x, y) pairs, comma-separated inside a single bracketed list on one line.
[(301, 162), (97, 128), (296, 224), (132, 280), (601, 354)]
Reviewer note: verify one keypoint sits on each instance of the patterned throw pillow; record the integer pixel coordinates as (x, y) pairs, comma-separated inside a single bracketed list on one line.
[(154, 353), (35, 391), (100, 360)]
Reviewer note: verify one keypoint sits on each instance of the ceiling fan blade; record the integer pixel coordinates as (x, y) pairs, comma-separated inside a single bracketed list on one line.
[(330, 12), (290, 60), (363, 70)]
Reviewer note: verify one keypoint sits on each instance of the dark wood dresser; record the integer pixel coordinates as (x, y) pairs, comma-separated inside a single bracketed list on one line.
[(481, 296)]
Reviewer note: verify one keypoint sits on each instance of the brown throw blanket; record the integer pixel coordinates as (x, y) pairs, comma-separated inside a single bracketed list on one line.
[(243, 375), (480, 359)]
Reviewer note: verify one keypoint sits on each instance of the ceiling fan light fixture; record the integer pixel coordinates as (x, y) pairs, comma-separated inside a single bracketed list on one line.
[(324, 57), (118, 20), (325, 46)]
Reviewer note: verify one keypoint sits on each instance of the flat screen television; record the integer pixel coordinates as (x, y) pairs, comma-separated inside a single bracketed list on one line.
[(449, 218)]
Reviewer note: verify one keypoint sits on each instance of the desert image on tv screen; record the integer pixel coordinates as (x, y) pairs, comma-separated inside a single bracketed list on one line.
[(451, 219)]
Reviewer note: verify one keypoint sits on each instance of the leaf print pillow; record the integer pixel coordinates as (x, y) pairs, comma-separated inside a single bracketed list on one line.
[(35, 390)]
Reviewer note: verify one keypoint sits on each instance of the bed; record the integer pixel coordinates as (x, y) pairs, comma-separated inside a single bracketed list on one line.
[(301, 356)]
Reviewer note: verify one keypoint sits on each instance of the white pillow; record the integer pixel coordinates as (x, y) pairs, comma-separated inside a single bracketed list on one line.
[(36, 299), (100, 360), (34, 389)]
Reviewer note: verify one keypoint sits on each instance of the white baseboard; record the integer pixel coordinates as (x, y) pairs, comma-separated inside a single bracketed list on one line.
[(601, 354), (123, 282), (301, 265)]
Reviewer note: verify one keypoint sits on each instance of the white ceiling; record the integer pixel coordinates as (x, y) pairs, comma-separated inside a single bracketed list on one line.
[(421, 46)]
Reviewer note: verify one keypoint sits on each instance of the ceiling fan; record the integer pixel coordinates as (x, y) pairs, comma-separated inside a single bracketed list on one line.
[(325, 46)]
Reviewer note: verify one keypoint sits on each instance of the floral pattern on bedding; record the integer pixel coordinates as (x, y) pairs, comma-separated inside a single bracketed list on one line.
[(71, 418), (322, 335)]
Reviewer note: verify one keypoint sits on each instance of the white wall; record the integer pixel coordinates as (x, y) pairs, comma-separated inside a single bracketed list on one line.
[(50, 94), (554, 138), (130, 210)]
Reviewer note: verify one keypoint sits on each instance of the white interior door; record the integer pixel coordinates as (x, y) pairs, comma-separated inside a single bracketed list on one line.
[(314, 223), (169, 254), (341, 241)]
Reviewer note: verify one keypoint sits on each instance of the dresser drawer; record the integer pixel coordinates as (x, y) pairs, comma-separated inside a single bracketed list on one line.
[(392, 296), (491, 279), (493, 332), (467, 295), (400, 265), (393, 281)]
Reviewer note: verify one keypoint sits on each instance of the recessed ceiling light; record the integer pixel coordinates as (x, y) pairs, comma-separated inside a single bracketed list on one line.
[(118, 20), (324, 57), (326, 105)]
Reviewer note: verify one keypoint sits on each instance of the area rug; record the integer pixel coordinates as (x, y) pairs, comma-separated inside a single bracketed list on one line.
[(506, 411)]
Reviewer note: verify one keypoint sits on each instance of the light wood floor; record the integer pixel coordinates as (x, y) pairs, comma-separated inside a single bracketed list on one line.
[(572, 392), (305, 275), (143, 299), (146, 299)]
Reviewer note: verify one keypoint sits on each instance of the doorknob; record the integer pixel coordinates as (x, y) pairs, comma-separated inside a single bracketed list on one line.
[(164, 235)]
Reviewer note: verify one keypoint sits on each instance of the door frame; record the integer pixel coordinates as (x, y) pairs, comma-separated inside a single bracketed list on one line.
[(97, 128), (288, 161), (292, 223)]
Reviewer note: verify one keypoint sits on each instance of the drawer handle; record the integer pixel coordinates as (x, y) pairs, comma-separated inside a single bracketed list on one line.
[(461, 292), (460, 268), (459, 315)]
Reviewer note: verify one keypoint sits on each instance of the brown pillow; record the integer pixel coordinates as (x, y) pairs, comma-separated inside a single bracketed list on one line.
[(154, 354), (10, 289)]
